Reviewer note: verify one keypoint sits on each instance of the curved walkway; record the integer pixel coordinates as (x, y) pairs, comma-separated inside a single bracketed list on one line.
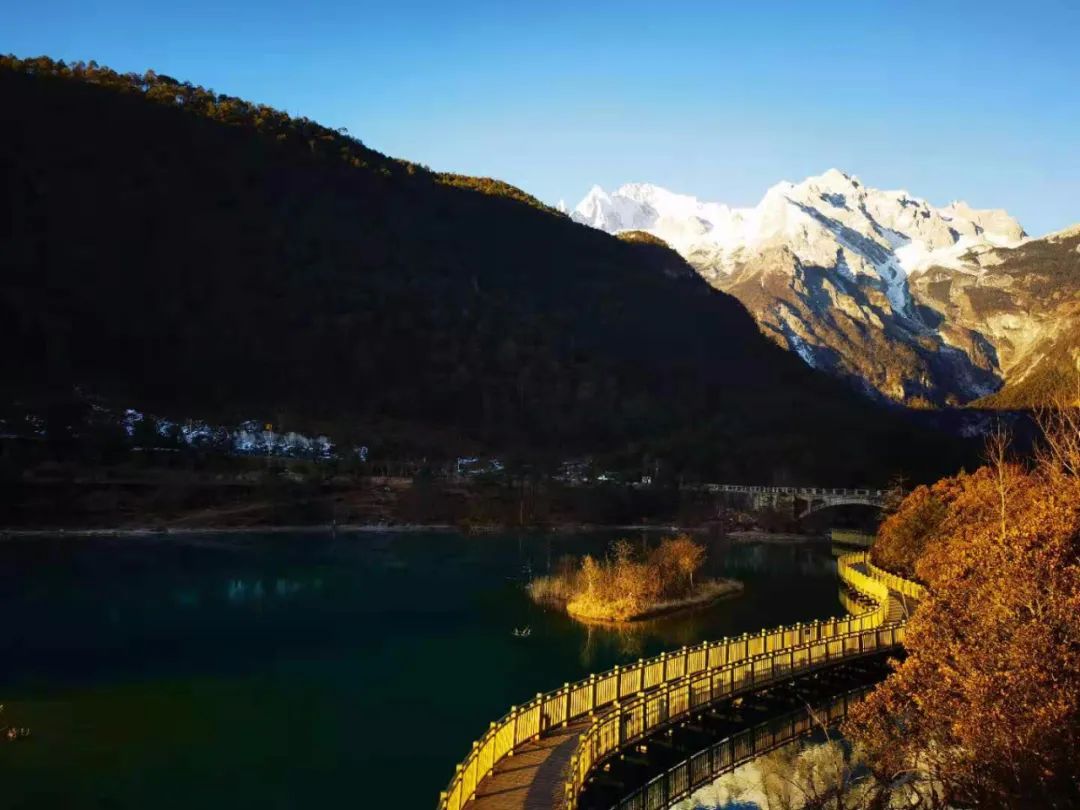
[(725, 755), (534, 777), (541, 754)]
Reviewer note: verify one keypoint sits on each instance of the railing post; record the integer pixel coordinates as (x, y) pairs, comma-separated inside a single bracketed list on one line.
[(618, 684), (566, 705), (513, 734)]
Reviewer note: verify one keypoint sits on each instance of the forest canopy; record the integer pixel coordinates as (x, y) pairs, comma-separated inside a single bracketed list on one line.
[(322, 142)]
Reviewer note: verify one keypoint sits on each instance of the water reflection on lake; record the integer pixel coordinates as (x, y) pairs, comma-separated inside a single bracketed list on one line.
[(296, 670)]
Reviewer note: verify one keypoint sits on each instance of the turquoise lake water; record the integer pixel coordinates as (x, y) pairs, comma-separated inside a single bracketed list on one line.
[(305, 670)]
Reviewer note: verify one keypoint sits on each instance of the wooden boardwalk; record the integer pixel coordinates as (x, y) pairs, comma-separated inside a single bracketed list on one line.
[(534, 774), (900, 606), (534, 778)]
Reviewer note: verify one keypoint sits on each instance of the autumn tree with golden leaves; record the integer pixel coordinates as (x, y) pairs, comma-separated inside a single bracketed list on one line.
[(985, 710), (627, 584)]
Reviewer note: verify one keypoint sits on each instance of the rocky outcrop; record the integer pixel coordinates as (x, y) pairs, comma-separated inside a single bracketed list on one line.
[(1024, 303), (923, 305)]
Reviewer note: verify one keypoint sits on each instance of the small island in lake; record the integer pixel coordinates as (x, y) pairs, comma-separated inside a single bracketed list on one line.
[(626, 586)]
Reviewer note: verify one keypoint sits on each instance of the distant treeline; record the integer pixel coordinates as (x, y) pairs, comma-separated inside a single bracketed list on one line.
[(321, 141)]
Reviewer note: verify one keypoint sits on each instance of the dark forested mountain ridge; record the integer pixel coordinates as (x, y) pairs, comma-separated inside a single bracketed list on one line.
[(175, 249)]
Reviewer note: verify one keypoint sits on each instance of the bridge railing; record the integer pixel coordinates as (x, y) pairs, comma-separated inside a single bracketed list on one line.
[(751, 489), (680, 780), (896, 583), (848, 567), (525, 723), (627, 722), (635, 720), (851, 537), (853, 603)]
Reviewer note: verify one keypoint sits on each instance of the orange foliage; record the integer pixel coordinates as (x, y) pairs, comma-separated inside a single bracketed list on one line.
[(986, 707), (626, 585), (905, 534)]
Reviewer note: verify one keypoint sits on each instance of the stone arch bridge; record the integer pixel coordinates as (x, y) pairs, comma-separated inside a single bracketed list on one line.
[(801, 501)]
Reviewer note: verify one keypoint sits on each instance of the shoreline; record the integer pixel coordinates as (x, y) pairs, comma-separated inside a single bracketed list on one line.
[(179, 531), (382, 528), (777, 537)]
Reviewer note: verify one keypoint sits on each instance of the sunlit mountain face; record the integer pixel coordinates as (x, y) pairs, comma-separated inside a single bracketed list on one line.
[(910, 302)]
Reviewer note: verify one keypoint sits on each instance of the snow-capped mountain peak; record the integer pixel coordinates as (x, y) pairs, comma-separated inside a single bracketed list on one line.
[(815, 218), (814, 257)]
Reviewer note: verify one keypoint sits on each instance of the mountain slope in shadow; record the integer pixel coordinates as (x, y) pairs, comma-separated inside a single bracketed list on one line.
[(187, 252)]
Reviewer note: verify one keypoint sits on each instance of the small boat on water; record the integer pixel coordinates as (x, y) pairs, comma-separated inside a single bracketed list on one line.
[(522, 632)]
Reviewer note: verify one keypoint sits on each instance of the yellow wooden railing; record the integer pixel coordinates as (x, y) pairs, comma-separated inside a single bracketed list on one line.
[(583, 698), (853, 602), (724, 756), (635, 720), (896, 583), (628, 722), (850, 537)]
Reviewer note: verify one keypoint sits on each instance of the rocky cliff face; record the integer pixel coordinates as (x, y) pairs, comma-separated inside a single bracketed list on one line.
[(1025, 303), (914, 303)]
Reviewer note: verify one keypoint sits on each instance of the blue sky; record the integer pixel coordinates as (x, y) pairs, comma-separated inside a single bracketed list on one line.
[(976, 101)]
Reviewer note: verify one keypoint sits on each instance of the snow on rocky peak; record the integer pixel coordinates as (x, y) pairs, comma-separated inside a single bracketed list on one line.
[(829, 220), (613, 213), (826, 267)]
